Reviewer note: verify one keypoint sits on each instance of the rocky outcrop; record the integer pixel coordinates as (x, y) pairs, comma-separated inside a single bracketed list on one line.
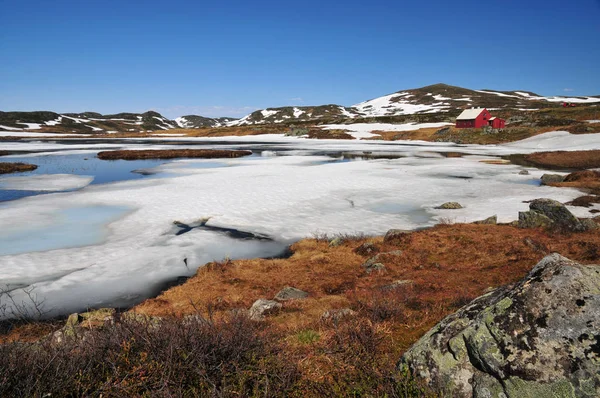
[(449, 206), (548, 212), (540, 338), (290, 293)]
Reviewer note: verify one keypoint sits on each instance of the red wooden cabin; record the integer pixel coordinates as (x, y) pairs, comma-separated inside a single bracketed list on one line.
[(497, 123), (475, 118)]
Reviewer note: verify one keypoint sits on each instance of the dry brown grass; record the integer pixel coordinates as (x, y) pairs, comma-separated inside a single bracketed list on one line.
[(16, 167), (171, 154), (566, 159), (448, 266)]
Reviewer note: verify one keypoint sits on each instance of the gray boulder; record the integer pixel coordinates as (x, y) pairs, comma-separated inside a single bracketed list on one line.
[(449, 206), (557, 212), (548, 179), (290, 293), (533, 219), (540, 338), (524, 172), (262, 308)]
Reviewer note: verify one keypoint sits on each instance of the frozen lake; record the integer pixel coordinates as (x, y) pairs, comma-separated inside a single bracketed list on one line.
[(87, 233)]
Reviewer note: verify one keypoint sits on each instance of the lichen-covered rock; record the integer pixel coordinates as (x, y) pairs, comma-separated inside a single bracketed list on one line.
[(548, 179), (376, 263), (262, 308), (493, 220), (290, 293), (533, 219), (556, 211), (449, 206), (540, 338), (366, 249)]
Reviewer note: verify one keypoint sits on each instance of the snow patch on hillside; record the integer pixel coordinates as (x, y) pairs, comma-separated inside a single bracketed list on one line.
[(365, 130)]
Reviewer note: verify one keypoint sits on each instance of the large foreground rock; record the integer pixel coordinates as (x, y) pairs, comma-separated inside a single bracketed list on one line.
[(540, 338)]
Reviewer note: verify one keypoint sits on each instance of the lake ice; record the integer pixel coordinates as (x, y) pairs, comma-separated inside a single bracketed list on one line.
[(115, 243)]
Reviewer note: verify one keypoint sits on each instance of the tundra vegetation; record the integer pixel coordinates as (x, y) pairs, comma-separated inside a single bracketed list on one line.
[(344, 339), (18, 167)]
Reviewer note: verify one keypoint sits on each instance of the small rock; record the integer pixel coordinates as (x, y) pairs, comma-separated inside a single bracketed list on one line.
[(262, 308), (366, 249), (548, 179), (493, 220), (336, 315), (449, 206), (524, 172), (335, 242), (396, 235), (375, 267), (533, 219), (290, 293), (374, 263), (397, 284)]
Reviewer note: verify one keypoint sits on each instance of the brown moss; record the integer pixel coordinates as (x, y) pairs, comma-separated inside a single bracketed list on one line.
[(16, 167), (566, 159), (171, 154), (448, 265)]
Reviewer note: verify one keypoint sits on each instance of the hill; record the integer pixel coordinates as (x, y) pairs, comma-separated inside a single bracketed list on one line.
[(96, 123), (437, 98), (435, 103)]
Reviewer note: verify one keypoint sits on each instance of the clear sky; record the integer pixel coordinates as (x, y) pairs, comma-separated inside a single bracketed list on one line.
[(227, 58)]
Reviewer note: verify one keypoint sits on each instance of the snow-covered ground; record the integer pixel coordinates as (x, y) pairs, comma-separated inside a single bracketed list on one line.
[(364, 130), (286, 195)]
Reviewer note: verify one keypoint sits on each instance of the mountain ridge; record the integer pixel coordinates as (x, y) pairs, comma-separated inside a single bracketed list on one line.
[(439, 98)]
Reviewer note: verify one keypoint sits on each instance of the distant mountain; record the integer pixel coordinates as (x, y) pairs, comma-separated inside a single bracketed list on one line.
[(431, 102), (430, 99), (91, 122), (194, 121)]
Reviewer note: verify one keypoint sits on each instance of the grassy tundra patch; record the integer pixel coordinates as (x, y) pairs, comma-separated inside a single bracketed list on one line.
[(566, 159), (18, 167), (171, 154)]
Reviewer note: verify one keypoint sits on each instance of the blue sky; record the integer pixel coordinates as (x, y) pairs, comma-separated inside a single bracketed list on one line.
[(228, 58)]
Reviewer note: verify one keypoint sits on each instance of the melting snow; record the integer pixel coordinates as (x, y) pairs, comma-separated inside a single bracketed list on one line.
[(32, 126), (298, 112), (45, 182), (286, 197), (267, 113), (364, 130)]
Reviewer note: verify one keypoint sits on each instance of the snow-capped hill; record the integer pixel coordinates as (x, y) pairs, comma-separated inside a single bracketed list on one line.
[(296, 114), (194, 121), (86, 122), (445, 98)]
